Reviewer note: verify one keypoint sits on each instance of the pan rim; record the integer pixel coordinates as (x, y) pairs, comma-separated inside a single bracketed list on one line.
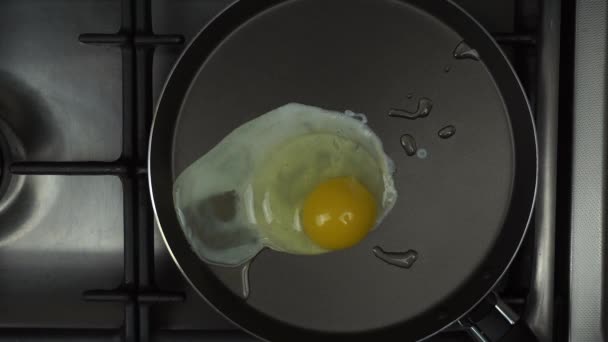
[(515, 85)]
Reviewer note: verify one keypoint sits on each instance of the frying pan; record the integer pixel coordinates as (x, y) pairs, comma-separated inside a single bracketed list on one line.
[(464, 202)]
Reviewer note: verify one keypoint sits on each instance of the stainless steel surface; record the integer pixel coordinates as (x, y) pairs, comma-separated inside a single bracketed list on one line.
[(48, 92), (539, 310), (58, 252), (69, 236), (63, 99), (588, 222)]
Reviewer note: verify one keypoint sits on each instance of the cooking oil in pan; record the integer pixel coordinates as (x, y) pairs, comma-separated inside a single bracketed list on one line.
[(447, 132), (399, 259), (409, 144), (235, 277), (424, 109)]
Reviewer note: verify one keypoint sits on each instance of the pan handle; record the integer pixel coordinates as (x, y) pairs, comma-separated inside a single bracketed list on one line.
[(494, 321)]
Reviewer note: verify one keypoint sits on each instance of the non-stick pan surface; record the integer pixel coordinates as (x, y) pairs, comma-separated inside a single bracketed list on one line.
[(464, 202)]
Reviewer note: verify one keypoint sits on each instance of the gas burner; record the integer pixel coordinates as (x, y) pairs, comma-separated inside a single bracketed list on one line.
[(14, 191), (4, 176)]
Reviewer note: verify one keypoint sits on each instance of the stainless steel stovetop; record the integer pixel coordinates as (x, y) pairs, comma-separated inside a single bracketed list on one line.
[(79, 258)]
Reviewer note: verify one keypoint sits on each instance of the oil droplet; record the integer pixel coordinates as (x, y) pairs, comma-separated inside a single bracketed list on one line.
[(409, 144), (447, 132), (236, 277), (399, 259), (464, 51), (423, 110), (422, 153), (245, 280)]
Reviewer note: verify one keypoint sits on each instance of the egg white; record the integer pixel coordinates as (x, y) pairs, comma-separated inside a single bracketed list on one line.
[(245, 193)]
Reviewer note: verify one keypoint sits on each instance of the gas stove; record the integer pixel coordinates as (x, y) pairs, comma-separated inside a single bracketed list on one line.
[(80, 258)]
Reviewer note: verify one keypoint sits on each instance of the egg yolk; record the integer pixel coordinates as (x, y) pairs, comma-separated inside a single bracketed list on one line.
[(338, 213)]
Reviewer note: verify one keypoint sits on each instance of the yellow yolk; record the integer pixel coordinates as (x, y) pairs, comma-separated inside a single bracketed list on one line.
[(338, 213)]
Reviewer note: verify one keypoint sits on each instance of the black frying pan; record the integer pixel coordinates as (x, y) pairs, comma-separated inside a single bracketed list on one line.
[(464, 202)]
